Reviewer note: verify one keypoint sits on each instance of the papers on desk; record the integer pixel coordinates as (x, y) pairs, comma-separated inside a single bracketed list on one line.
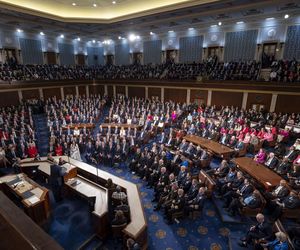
[(33, 199)]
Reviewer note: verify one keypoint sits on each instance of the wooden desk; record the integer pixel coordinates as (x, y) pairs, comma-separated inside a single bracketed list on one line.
[(98, 197), (215, 147), (137, 228), (79, 126), (18, 231), (34, 197), (266, 177), (120, 125)]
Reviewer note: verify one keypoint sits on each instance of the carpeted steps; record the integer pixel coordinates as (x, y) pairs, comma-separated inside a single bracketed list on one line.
[(42, 133)]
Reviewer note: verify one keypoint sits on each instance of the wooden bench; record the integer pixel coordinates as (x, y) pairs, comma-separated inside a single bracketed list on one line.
[(252, 212)]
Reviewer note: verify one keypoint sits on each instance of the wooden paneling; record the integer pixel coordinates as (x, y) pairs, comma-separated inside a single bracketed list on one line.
[(81, 90), (80, 59), (288, 103), (110, 91), (96, 89), (70, 91), (120, 90), (30, 94), (9, 98), (154, 92), (199, 95), (48, 93), (176, 95), (51, 57), (259, 98), (221, 98), (136, 92)]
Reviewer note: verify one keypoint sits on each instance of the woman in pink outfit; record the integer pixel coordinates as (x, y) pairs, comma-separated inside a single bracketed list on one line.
[(260, 156)]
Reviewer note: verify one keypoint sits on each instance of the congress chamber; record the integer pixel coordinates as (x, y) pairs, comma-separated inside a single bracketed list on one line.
[(160, 125)]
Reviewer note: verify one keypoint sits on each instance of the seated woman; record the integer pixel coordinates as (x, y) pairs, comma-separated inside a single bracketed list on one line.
[(58, 150), (119, 218), (280, 243), (32, 150), (260, 156)]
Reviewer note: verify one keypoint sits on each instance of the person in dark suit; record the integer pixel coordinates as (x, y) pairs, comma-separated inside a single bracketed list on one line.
[(177, 206), (251, 201), (261, 231), (279, 192), (292, 201), (283, 167), (193, 190), (271, 161), (119, 218), (56, 180), (291, 154), (197, 203)]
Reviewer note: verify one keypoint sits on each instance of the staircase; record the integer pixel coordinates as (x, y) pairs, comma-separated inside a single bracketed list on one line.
[(42, 133)]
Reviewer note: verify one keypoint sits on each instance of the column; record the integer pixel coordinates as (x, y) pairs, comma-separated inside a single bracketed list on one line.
[(209, 97), (105, 90), (188, 96), (126, 91), (273, 102), (87, 91), (77, 91), (20, 96), (162, 95), (245, 97), (146, 93), (41, 93), (115, 90), (62, 93)]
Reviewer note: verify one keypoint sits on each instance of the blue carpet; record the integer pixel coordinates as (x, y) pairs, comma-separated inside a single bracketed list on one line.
[(42, 133)]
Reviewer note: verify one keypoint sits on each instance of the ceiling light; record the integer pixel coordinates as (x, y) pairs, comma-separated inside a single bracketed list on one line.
[(286, 16), (95, 5), (213, 26), (270, 18), (62, 36), (94, 41), (151, 33), (42, 33), (138, 37), (19, 30), (78, 38), (191, 28), (171, 31), (114, 2), (132, 37), (219, 23), (240, 22), (74, 4)]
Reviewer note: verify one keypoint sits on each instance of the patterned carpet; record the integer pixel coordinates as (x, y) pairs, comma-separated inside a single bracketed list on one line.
[(70, 223)]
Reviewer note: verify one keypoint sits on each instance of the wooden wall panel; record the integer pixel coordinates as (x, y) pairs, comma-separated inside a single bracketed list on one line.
[(199, 94), (136, 92), (110, 91), (48, 93), (96, 89), (259, 98), (120, 90), (288, 104), (69, 91), (9, 98), (176, 95), (221, 98), (81, 90), (30, 94), (154, 92)]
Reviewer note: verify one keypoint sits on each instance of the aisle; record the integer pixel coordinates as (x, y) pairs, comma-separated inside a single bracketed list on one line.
[(42, 133)]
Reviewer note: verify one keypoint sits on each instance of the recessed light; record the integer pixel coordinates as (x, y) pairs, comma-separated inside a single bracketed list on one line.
[(213, 26), (78, 38), (240, 22), (191, 28), (95, 5), (114, 2), (171, 31), (132, 37), (94, 41), (219, 23), (19, 30), (119, 38), (74, 4), (286, 16), (42, 33), (62, 36), (270, 18), (151, 33)]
